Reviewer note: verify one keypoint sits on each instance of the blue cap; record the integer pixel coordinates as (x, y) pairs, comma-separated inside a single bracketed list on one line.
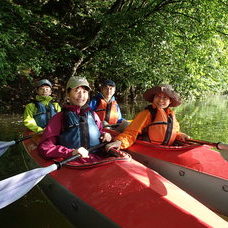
[(108, 82)]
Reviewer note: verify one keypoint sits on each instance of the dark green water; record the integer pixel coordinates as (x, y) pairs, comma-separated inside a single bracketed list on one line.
[(34, 209), (205, 120)]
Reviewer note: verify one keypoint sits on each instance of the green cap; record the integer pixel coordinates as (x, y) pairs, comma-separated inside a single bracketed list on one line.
[(75, 82)]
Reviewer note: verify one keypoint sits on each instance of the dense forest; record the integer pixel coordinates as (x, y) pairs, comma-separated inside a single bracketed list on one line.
[(136, 43)]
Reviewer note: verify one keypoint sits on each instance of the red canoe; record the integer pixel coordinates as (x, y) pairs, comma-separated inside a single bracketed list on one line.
[(120, 194), (197, 169)]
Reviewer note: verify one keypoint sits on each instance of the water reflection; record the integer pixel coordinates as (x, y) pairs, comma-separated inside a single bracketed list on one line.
[(206, 120)]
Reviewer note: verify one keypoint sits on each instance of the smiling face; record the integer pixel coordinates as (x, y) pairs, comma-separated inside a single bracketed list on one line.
[(78, 96), (108, 91), (44, 90), (161, 100)]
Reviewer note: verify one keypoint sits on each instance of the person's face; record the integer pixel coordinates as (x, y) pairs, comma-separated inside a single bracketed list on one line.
[(78, 96), (161, 100), (44, 90), (108, 91)]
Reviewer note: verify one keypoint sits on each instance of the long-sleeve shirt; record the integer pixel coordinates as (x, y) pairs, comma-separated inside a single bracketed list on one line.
[(31, 110), (49, 147), (141, 121)]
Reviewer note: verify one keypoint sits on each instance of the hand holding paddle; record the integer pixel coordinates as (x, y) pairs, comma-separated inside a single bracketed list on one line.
[(81, 151), (116, 144), (13, 188), (106, 137)]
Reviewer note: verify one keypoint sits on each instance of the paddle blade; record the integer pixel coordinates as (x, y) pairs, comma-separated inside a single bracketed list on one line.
[(222, 146), (13, 188), (224, 150), (5, 145)]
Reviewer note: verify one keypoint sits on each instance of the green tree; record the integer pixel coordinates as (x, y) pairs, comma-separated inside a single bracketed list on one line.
[(137, 43)]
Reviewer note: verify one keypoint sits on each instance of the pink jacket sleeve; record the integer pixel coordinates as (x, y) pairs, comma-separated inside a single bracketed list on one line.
[(48, 146)]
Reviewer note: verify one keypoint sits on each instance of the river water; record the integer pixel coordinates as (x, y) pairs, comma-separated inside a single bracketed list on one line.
[(204, 120), (34, 209)]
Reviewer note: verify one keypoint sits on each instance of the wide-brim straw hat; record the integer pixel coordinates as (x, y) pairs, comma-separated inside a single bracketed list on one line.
[(167, 90)]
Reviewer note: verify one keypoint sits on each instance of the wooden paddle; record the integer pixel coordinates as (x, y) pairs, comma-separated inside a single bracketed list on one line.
[(13, 188), (5, 145), (218, 145)]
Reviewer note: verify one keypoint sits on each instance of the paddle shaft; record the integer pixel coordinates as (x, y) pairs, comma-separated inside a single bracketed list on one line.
[(61, 163), (27, 137), (13, 188), (218, 145), (5, 145), (112, 125)]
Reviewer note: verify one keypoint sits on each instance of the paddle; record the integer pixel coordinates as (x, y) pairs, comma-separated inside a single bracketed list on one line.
[(119, 127), (13, 188), (5, 145), (218, 145), (111, 125)]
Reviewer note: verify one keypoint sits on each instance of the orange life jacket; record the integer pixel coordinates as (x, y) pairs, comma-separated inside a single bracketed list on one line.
[(107, 111), (162, 130)]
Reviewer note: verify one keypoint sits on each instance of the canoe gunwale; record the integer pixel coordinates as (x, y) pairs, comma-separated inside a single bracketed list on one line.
[(156, 193)]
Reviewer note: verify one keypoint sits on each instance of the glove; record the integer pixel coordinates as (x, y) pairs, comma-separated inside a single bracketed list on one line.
[(82, 151)]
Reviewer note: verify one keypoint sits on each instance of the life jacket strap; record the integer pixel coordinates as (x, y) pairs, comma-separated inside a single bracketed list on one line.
[(145, 135), (84, 131), (153, 112), (108, 112), (168, 131)]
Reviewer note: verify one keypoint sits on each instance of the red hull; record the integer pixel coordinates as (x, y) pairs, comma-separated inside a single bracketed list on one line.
[(197, 157), (122, 193), (197, 169)]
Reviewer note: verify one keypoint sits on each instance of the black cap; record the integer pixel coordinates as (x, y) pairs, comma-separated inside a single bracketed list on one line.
[(108, 82), (43, 82)]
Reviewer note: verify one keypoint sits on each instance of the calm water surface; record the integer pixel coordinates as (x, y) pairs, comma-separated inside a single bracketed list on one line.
[(205, 120), (33, 210)]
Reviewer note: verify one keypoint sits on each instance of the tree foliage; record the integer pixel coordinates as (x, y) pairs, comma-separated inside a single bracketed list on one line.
[(137, 43)]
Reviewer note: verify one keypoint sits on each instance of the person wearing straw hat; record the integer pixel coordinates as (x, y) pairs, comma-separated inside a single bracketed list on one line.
[(76, 128), (157, 123), (38, 112)]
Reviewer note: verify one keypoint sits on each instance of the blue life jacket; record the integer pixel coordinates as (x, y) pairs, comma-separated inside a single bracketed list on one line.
[(79, 131), (44, 113)]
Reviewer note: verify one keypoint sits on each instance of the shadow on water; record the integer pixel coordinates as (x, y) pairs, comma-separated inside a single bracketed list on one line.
[(34, 209)]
